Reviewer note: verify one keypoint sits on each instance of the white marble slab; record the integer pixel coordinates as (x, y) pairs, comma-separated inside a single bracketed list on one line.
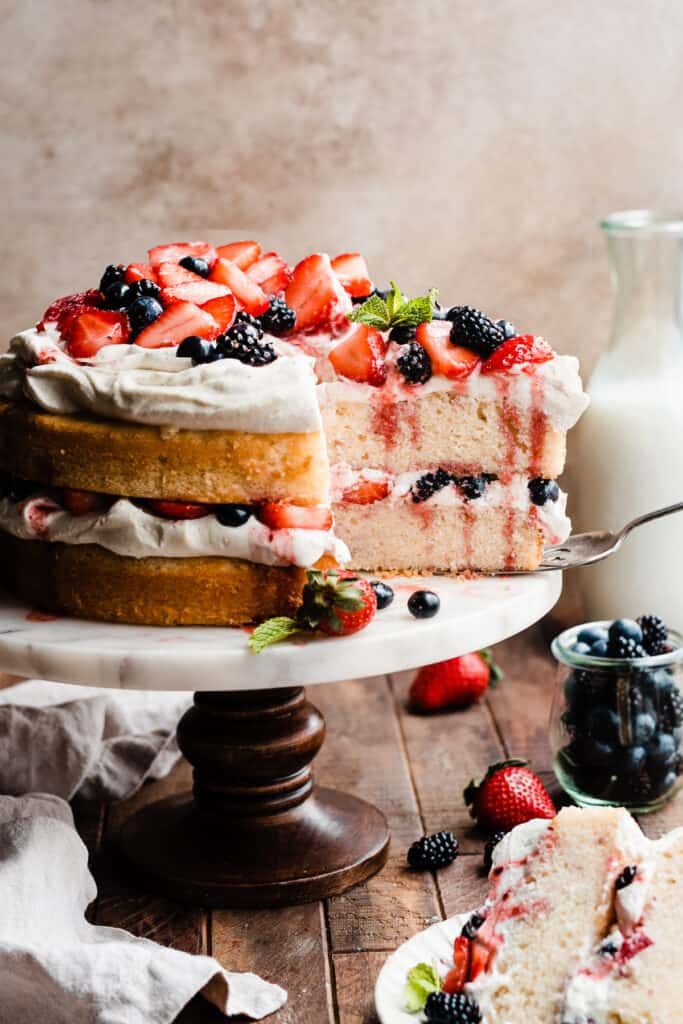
[(473, 614)]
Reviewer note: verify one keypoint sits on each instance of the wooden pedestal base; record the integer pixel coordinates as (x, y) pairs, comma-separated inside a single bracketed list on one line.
[(255, 832)]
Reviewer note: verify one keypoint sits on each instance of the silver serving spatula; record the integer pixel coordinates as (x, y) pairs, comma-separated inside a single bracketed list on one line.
[(587, 548)]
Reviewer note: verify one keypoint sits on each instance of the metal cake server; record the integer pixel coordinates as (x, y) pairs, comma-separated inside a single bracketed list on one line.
[(587, 548)]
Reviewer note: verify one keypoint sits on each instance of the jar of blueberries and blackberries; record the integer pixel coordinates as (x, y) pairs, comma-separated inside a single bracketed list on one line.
[(617, 718)]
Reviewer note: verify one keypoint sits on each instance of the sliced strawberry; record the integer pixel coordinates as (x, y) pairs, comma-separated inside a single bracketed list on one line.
[(139, 272), (222, 310), (360, 356), (177, 251), (89, 331), (241, 253), (178, 509), (171, 274), (479, 959), (352, 271), (452, 361), (456, 978), (83, 503), (249, 294), (315, 292), (178, 321), (365, 492), (198, 291), (62, 310), (280, 516), (271, 272), (523, 350)]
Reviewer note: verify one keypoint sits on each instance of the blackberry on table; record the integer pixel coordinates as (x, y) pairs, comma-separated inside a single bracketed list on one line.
[(246, 318), (442, 1008), (475, 330), (278, 318), (242, 342), (491, 844), (655, 634), (429, 483), (433, 852), (415, 364)]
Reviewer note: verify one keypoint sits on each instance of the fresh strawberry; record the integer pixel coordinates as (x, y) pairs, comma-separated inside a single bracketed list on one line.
[(459, 973), (89, 331), (365, 492), (337, 603), (452, 361), (523, 350), (508, 795), (271, 272), (198, 291), (352, 271), (315, 293), (139, 272), (62, 310), (177, 322), (222, 310), (168, 275), (83, 503), (479, 959), (280, 516), (250, 295), (360, 355), (455, 683), (178, 509), (241, 253), (177, 251)]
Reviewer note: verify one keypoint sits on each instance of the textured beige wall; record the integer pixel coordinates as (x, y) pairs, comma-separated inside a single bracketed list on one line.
[(471, 144)]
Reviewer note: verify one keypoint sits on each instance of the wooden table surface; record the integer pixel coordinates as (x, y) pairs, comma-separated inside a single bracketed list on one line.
[(327, 955)]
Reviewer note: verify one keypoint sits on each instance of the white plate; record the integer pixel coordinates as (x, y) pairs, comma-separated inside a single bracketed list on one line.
[(433, 944)]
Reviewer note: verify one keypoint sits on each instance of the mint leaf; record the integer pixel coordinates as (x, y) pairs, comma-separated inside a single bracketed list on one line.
[(416, 311), (397, 310), (422, 980), (373, 311), (395, 299), (272, 631)]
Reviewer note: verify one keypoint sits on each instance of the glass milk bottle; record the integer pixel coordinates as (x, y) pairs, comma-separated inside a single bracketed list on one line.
[(628, 457)]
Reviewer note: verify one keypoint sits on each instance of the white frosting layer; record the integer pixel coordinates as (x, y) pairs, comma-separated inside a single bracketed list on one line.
[(128, 530), (153, 386)]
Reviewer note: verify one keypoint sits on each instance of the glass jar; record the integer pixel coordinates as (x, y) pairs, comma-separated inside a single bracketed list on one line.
[(617, 724)]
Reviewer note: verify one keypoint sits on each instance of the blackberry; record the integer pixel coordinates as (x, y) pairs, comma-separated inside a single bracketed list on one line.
[(432, 852), (474, 486), (655, 634), (474, 330), (247, 318), (383, 593), (278, 318), (112, 274), (196, 264), (430, 483), (542, 490), (626, 876), (671, 710), (241, 342), (402, 334), (415, 364), (625, 647), (472, 926), (442, 1008), (491, 844), (145, 287)]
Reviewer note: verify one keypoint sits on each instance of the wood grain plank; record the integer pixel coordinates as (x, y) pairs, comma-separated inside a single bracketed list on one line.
[(364, 754), (355, 976)]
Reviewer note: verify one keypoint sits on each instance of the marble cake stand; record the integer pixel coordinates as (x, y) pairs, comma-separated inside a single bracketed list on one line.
[(255, 831)]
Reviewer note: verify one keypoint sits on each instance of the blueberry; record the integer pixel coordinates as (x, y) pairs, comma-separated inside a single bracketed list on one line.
[(596, 752), (542, 490), (423, 604), (599, 649), (383, 593), (117, 295), (630, 760), (644, 727), (581, 648), (111, 274), (507, 328), (402, 334), (664, 784), (233, 515), (439, 312), (197, 349), (661, 752), (143, 311), (196, 264), (591, 634), (603, 723), (144, 287), (626, 628)]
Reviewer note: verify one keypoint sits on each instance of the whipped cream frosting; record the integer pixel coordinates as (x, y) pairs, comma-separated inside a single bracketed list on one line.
[(154, 386), (131, 531)]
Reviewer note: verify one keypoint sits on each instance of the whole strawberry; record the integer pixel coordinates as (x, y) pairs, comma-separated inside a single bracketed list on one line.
[(509, 794), (455, 683)]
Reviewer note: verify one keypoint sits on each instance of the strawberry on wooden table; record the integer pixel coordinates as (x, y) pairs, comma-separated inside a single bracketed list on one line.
[(177, 251), (178, 509), (523, 350), (453, 361), (241, 253), (455, 683), (87, 332), (508, 795), (360, 356), (248, 293), (271, 272), (178, 321), (279, 515), (315, 292), (352, 271), (84, 503)]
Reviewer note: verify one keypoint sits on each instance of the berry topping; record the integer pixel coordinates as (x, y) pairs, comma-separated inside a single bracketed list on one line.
[(429, 483), (352, 271), (177, 251), (453, 361), (383, 593), (627, 876), (627, 628), (144, 286), (542, 490), (423, 604), (489, 847), (337, 603), (84, 503), (62, 310), (457, 977), (113, 274), (474, 923), (117, 295), (671, 710), (360, 356), (472, 329), (197, 349), (233, 515), (197, 290), (524, 351), (248, 293), (655, 634), (222, 310), (178, 509), (271, 273), (315, 293), (402, 334), (280, 516), (447, 1008), (196, 264), (246, 318), (507, 328), (243, 342), (143, 311), (170, 327), (278, 319), (508, 795), (92, 329), (366, 492), (432, 852), (415, 364), (138, 272), (625, 647), (244, 254), (474, 486), (454, 683)]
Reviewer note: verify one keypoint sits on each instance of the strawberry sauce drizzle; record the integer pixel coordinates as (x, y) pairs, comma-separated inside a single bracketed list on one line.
[(538, 425), (384, 417)]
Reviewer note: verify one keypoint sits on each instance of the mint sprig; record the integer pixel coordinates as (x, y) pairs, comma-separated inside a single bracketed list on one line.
[(272, 631), (397, 310), (422, 980)]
